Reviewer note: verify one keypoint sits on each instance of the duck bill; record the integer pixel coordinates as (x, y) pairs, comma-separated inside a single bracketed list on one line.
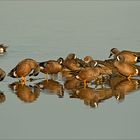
[(110, 55)]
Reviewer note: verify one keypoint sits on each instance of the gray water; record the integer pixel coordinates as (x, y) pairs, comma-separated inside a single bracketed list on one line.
[(45, 30)]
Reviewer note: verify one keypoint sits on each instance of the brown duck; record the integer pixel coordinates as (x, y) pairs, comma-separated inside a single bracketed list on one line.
[(51, 66), (124, 68), (88, 74), (24, 68), (129, 56), (71, 62)]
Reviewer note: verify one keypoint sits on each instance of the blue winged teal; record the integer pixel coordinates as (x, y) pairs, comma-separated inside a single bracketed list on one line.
[(71, 62), (24, 68), (124, 68), (129, 56), (2, 74), (51, 66), (3, 48), (105, 67), (89, 62), (88, 74)]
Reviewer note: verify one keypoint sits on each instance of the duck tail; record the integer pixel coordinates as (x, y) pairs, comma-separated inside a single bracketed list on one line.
[(12, 73), (138, 60), (1, 78), (35, 71)]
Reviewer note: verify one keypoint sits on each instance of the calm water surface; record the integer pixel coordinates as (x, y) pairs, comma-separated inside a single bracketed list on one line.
[(45, 30)]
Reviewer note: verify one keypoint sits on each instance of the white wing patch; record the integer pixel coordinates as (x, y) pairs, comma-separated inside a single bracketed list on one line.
[(14, 73), (136, 58), (118, 58), (77, 77), (137, 71), (1, 50), (95, 63)]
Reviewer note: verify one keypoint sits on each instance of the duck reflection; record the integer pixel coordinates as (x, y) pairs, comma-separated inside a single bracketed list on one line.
[(91, 96), (25, 93), (2, 97), (122, 86), (87, 95), (73, 83), (52, 86)]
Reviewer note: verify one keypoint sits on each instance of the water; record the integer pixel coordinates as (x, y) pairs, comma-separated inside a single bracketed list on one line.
[(45, 30)]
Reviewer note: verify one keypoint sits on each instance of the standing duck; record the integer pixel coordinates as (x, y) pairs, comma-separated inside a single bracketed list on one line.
[(51, 66), (88, 74), (24, 68)]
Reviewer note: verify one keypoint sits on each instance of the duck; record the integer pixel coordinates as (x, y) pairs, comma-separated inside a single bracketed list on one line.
[(105, 70), (72, 63), (24, 68), (89, 61), (51, 66), (129, 56), (88, 74), (2, 74), (126, 69), (3, 48)]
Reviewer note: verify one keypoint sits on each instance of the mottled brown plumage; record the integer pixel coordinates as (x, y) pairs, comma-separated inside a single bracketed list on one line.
[(51, 66), (72, 62), (88, 74), (24, 68), (125, 68), (129, 56)]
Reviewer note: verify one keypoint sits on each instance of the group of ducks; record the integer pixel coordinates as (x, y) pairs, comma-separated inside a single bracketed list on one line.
[(86, 70), (79, 74)]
